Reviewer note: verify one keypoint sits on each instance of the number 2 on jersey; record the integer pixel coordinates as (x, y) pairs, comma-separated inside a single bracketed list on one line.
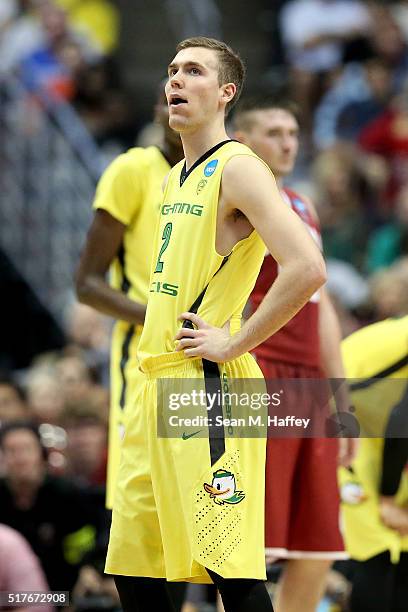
[(166, 238)]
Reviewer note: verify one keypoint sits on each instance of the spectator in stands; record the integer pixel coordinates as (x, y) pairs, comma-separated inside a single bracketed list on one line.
[(73, 376), (390, 241), (51, 66), (43, 395), (388, 42), (98, 20), (357, 114), (399, 11), (105, 107), (350, 294), (358, 94), (313, 32), (341, 202), (387, 136), (192, 18), (389, 290), (8, 12), (20, 35), (20, 569), (87, 328), (51, 513), (85, 422), (90, 330), (12, 400)]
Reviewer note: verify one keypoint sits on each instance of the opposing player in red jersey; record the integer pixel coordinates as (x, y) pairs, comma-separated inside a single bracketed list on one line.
[(302, 501)]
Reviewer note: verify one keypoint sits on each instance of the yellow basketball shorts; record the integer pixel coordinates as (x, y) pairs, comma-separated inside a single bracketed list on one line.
[(125, 379), (187, 503)]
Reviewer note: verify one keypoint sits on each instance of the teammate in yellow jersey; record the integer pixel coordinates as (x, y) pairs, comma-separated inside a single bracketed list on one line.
[(197, 512), (375, 491), (126, 207)]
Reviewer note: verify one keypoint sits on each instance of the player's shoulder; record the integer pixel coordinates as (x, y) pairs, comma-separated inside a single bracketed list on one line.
[(396, 327), (385, 342), (241, 163), (380, 328), (237, 149), (139, 155), (134, 163), (246, 178)]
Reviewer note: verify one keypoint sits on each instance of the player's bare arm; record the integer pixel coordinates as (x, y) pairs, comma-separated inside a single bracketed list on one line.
[(332, 364), (248, 187), (331, 359), (330, 336), (102, 245)]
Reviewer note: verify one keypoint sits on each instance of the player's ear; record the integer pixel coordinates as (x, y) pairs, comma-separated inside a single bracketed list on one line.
[(228, 92)]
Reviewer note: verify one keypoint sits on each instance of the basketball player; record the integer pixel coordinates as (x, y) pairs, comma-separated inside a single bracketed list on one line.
[(168, 520), (302, 501), (374, 491), (126, 207)]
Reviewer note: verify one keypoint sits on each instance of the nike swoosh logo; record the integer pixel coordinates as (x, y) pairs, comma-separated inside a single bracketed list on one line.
[(186, 436)]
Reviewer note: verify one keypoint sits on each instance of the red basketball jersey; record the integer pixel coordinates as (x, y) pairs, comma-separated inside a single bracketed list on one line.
[(298, 341)]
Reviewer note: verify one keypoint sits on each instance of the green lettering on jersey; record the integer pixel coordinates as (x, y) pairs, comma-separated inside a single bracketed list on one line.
[(180, 208), (166, 288)]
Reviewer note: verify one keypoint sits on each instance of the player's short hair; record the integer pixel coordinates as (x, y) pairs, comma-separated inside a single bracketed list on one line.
[(231, 68), (244, 113)]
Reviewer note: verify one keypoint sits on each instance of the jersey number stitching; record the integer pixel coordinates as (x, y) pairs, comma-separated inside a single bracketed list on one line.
[(166, 237)]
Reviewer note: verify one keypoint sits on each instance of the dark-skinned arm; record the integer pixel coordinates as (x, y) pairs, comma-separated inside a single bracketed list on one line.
[(102, 246)]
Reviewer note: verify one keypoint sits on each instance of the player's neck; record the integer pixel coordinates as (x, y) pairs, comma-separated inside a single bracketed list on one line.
[(197, 143), (173, 152)]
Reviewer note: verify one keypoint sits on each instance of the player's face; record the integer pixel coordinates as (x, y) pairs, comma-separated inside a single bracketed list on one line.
[(274, 137), (193, 91)]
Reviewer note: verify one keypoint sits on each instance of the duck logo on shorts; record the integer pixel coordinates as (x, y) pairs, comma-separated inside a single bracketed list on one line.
[(210, 168), (352, 493), (223, 488)]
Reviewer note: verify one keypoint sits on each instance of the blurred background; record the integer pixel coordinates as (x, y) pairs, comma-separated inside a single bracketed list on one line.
[(78, 83)]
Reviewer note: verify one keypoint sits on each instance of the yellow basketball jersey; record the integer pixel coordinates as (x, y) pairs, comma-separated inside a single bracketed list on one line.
[(374, 354), (374, 357), (131, 191), (185, 259), (376, 348)]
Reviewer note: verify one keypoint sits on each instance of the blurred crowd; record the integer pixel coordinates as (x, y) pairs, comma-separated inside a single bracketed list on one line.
[(53, 448), (348, 72), (65, 50), (346, 64)]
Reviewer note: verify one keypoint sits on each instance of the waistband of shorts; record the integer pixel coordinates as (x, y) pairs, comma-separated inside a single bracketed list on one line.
[(166, 364)]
